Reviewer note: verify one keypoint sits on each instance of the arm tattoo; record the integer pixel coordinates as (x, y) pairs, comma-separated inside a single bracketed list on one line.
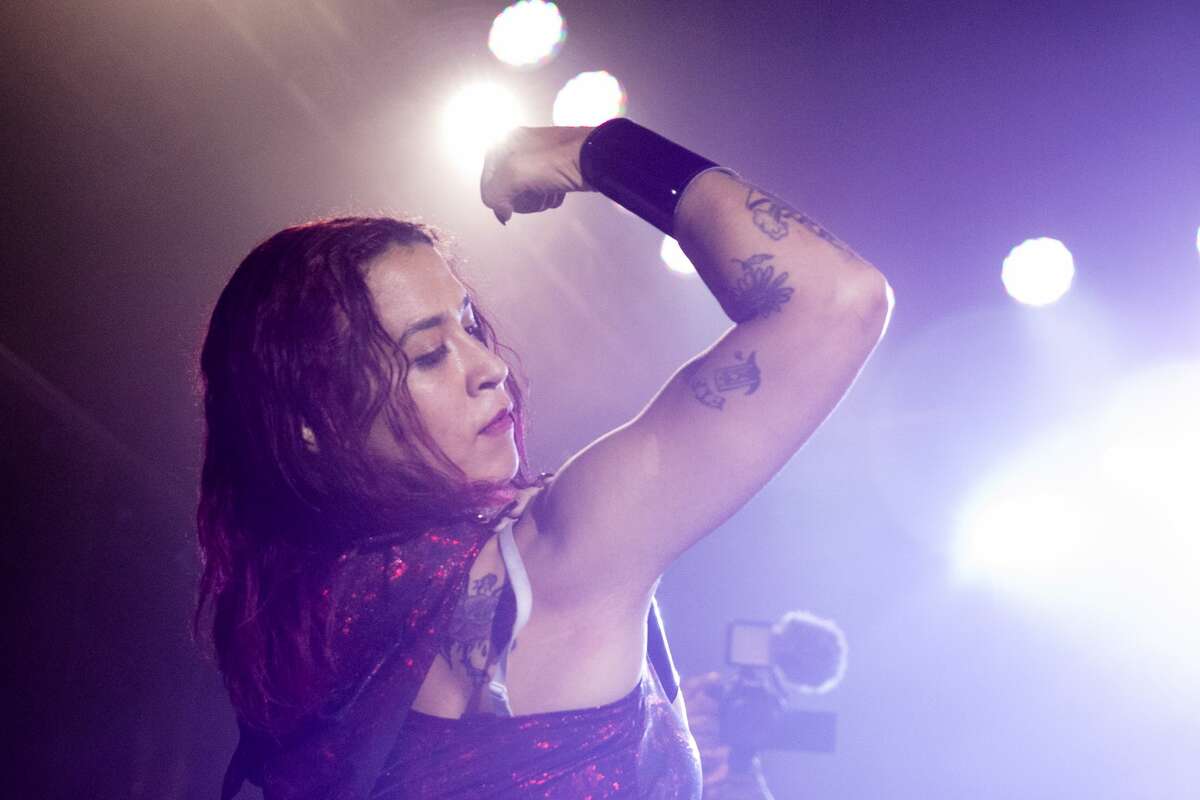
[(771, 216), (759, 291), (469, 639), (708, 385)]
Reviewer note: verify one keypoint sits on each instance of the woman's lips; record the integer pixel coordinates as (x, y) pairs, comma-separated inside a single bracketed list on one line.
[(501, 423)]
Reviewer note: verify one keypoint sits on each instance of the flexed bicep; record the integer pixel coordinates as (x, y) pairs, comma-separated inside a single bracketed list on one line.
[(808, 312), (632, 501)]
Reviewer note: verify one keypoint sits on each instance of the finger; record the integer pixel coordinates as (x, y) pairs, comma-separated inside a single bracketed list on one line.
[(529, 201), (487, 178), (717, 775), (491, 189), (701, 680), (501, 209), (704, 688), (556, 199)]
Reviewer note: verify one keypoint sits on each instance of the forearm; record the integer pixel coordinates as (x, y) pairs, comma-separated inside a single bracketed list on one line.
[(763, 260), (756, 254)]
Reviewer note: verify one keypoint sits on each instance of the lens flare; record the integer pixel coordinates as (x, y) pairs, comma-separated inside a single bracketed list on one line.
[(475, 119), (1096, 522), (589, 99), (527, 34)]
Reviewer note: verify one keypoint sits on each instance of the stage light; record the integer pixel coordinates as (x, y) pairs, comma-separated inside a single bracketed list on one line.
[(673, 256), (1094, 524), (1023, 528), (527, 34), (1152, 442), (589, 99), (474, 119), (1120, 478), (1038, 272)]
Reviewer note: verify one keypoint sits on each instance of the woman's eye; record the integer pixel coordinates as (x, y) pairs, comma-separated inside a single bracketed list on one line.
[(431, 359), (434, 357)]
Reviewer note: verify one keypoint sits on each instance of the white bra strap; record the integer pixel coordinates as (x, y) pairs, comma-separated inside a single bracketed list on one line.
[(497, 688), (517, 577)]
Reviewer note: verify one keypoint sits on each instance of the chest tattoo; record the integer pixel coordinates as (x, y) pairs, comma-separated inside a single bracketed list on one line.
[(468, 643)]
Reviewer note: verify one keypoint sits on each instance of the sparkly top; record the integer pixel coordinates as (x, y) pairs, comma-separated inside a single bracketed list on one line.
[(635, 747), (394, 601)]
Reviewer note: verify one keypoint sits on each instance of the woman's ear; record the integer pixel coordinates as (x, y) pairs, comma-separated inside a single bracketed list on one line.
[(309, 438)]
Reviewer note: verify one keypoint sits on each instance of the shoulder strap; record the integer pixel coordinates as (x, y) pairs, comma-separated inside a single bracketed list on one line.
[(517, 576), (495, 691), (659, 653)]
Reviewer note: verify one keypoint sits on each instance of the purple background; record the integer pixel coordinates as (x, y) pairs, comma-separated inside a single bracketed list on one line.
[(149, 145)]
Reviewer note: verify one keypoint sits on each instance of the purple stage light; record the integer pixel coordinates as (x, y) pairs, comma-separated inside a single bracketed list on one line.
[(1094, 524)]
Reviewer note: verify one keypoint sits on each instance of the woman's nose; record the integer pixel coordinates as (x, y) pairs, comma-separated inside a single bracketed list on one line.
[(490, 371)]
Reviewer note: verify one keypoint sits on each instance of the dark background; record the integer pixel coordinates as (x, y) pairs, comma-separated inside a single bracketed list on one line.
[(148, 145)]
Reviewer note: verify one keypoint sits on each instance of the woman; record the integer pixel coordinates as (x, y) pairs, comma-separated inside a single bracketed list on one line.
[(375, 548)]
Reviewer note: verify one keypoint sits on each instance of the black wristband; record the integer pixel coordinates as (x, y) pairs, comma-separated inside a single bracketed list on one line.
[(644, 172)]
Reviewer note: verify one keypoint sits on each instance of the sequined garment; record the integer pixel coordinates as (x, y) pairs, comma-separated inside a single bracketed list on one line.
[(632, 748), (635, 747), (394, 602)]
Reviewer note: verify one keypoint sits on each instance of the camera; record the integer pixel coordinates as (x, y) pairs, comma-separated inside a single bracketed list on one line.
[(776, 664)]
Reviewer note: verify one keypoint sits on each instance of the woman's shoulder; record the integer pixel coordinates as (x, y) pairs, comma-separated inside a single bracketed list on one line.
[(384, 566), (523, 511), (526, 499)]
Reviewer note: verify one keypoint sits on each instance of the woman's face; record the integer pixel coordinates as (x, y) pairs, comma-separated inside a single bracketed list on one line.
[(456, 381)]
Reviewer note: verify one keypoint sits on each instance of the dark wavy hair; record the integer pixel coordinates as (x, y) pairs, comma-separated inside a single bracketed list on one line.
[(295, 341)]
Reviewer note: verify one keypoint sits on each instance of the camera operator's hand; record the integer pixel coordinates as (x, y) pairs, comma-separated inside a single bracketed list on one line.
[(702, 694), (531, 170)]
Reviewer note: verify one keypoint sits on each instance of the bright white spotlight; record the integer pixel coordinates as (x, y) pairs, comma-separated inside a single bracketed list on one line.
[(1096, 523), (1099, 494), (475, 119), (673, 257), (1152, 442), (527, 34), (1017, 532), (589, 99), (1038, 272)]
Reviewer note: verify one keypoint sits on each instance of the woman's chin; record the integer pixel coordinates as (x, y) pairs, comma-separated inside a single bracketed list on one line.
[(500, 475), (502, 478)]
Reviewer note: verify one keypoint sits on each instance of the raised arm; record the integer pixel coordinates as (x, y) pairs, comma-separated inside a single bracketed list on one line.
[(807, 312)]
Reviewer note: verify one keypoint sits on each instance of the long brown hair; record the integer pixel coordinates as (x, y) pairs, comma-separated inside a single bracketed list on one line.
[(294, 341)]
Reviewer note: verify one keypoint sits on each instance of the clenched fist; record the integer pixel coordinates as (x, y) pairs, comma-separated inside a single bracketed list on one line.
[(532, 169)]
